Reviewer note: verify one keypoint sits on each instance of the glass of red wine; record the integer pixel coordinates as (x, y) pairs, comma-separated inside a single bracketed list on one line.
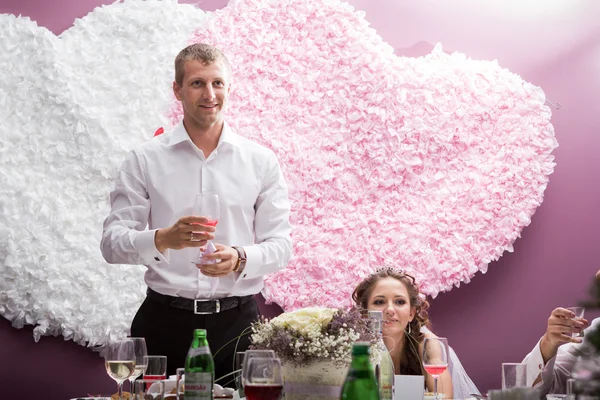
[(263, 379), (435, 359), (206, 205)]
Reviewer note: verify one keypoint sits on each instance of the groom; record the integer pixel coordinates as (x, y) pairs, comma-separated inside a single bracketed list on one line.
[(151, 221)]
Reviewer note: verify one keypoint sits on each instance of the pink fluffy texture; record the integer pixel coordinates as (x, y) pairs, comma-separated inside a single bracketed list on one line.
[(433, 164)]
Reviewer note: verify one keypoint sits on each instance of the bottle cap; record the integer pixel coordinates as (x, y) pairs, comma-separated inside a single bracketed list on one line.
[(200, 333), (361, 349)]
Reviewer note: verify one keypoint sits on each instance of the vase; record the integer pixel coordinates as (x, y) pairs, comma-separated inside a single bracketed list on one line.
[(318, 380)]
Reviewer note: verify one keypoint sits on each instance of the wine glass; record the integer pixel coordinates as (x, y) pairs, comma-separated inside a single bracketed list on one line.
[(241, 360), (435, 359), (263, 379), (140, 351), (119, 360), (206, 205)]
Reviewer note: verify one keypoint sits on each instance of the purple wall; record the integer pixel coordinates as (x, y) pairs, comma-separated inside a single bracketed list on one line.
[(499, 316)]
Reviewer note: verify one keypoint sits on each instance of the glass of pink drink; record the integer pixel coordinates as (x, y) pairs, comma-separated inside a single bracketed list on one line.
[(435, 359)]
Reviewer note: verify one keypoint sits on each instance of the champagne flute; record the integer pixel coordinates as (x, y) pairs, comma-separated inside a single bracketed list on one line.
[(119, 360), (263, 379), (140, 359), (435, 359), (206, 205)]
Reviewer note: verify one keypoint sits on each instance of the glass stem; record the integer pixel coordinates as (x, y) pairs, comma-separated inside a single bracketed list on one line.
[(120, 391), (435, 378)]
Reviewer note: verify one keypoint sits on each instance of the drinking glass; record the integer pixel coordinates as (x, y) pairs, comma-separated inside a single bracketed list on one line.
[(145, 389), (206, 205), (239, 361), (514, 375), (579, 312), (263, 379), (156, 368), (139, 344), (242, 358), (119, 361), (179, 382), (435, 359)]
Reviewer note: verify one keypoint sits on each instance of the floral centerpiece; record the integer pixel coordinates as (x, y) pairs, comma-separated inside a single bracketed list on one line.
[(314, 345)]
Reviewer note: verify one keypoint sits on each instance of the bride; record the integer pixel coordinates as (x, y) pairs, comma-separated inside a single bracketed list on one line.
[(405, 322)]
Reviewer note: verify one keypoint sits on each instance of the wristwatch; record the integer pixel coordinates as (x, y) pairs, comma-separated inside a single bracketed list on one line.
[(241, 262)]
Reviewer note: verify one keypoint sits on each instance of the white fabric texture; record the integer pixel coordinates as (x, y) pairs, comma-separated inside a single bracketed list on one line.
[(157, 185), (65, 103)]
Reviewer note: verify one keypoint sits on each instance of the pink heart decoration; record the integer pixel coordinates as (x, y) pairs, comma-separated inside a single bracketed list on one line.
[(432, 165)]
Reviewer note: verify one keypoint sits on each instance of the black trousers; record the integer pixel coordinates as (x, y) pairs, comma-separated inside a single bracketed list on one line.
[(169, 331)]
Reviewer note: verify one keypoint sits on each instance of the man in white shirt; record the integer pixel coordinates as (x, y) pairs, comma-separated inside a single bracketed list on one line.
[(551, 361), (151, 220)]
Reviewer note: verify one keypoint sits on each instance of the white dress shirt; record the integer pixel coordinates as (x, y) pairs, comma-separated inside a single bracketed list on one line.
[(556, 372), (157, 185)]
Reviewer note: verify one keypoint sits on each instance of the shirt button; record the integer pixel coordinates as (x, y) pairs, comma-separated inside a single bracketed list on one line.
[(540, 366), (157, 259), (244, 275)]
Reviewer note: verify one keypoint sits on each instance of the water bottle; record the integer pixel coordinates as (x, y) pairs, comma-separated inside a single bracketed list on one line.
[(360, 383), (384, 370), (199, 369)]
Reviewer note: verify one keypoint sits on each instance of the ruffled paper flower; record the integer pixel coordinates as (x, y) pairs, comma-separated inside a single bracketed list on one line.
[(435, 163)]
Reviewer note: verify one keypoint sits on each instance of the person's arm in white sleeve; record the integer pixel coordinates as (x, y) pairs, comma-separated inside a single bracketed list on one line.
[(272, 228), (125, 239), (550, 362)]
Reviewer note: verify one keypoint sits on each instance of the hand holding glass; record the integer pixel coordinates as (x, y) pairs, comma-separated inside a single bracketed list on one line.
[(206, 205), (579, 312), (263, 379), (435, 359), (119, 360)]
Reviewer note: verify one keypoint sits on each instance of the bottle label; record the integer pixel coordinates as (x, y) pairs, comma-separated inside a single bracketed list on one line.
[(198, 351), (198, 386)]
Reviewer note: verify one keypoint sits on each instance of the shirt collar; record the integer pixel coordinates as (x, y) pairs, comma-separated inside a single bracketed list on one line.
[(179, 134)]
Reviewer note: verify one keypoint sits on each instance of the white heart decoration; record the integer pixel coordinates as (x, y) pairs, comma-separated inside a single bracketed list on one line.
[(434, 163), (72, 107)]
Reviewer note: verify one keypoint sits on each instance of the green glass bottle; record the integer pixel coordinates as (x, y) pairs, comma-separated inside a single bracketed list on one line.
[(199, 369), (360, 383)]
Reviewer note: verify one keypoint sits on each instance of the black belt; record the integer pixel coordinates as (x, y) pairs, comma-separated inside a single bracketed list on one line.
[(198, 306)]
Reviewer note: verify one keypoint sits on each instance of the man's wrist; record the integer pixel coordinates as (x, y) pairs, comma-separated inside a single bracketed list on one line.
[(548, 348), (159, 242), (241, 261)]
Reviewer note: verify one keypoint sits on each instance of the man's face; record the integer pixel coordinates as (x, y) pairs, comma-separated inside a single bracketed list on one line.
[(203, 93)]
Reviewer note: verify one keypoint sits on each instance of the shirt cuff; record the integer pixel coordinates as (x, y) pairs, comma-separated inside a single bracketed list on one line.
[(144, 243), (535, 366), (252, 268)]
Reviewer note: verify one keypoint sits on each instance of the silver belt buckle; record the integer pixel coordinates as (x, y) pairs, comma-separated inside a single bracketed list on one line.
[(217, 306)]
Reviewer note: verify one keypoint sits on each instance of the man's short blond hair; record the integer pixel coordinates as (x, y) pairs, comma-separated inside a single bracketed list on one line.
[(203, 52)]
